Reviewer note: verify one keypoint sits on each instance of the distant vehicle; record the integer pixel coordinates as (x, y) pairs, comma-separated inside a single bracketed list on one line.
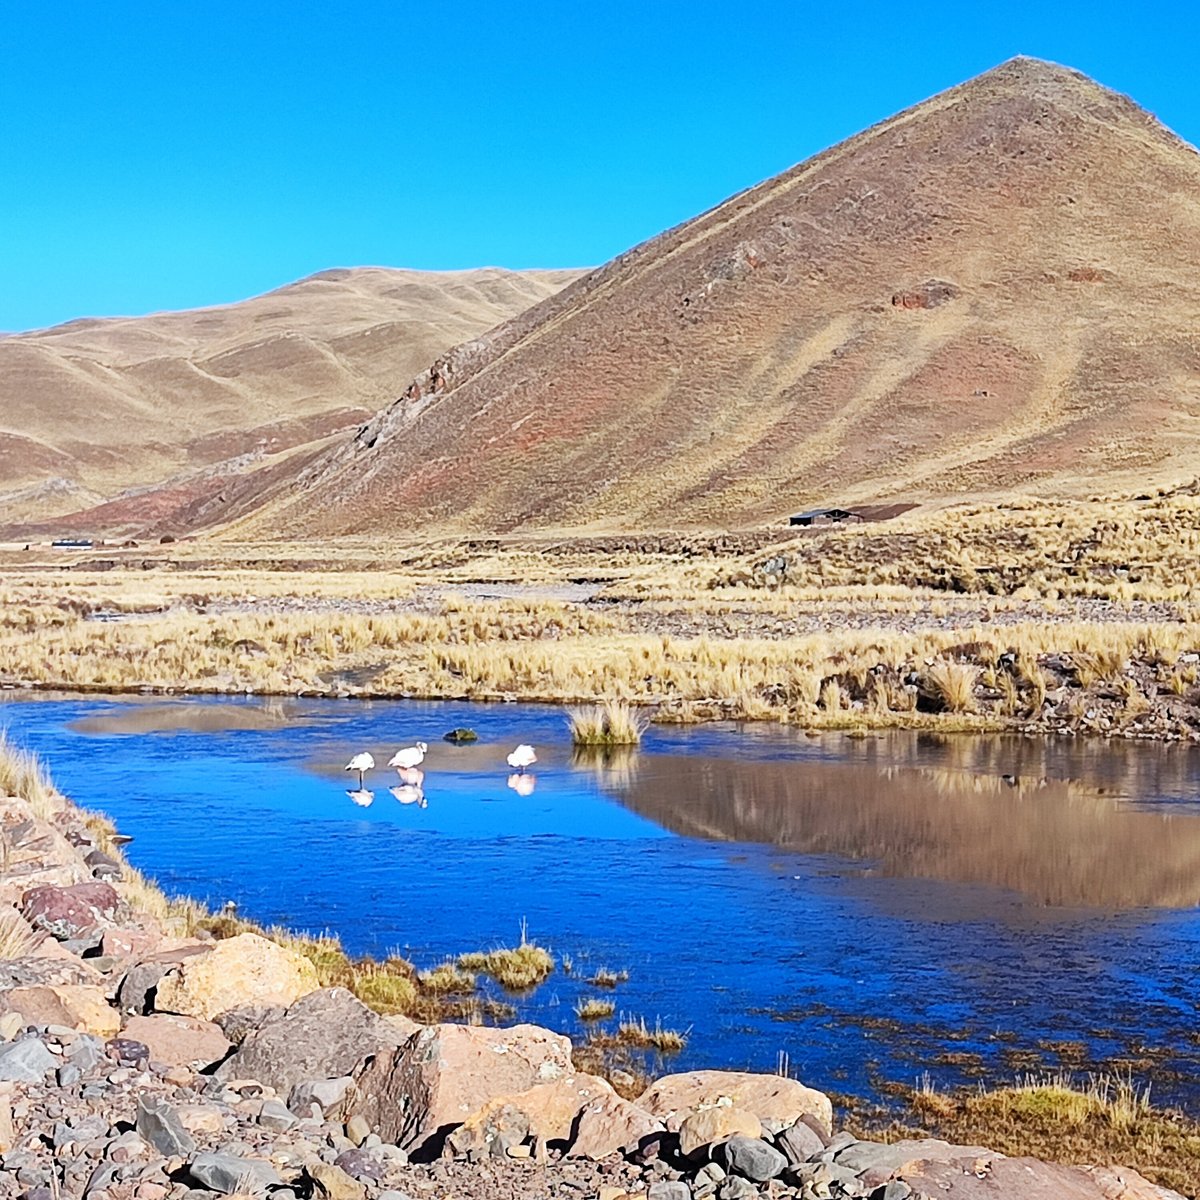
[(72, 543)]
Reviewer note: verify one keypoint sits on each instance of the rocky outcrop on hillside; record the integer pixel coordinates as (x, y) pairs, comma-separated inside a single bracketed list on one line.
[(135, 1065)]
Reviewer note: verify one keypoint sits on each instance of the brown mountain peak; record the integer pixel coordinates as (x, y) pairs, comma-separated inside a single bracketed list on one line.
[(991, 292)]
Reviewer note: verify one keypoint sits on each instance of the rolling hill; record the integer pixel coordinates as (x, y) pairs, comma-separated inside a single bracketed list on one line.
[(162, 405), (993, 292)]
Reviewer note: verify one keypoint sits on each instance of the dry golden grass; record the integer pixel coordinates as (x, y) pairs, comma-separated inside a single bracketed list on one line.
[(22, 774), (592, 1008), (612, 723), (635, 1033), (515, 968), (17, 937), (1104, 1120), (954, 683), (604, 978), (684, 625)]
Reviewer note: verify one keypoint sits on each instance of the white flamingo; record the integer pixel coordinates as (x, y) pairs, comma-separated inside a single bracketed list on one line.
[(411, 776), (410, 756), (361, 797), (523, 756), (521, 783), (361, 763)]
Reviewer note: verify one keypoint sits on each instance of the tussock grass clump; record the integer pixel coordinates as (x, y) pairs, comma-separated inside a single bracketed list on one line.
[(515, 969), (953, 684), (637, 1034), (23, 774), (447, 979), (604, 978), (593, 1008), (388, 987), (17, 937), (613, 723)]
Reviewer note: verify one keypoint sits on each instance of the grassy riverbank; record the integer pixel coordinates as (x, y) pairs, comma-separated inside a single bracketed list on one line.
[(918, 661)]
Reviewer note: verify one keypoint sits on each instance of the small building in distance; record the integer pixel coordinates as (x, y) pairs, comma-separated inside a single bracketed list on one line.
[(824, 516), (72, 543)]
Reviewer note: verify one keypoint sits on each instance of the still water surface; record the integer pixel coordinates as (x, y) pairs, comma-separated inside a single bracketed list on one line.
[(873, 908)]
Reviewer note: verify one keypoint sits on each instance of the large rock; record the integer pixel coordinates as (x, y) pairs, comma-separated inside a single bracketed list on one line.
[(26, 1061), (231, 1173), (548, 1111), (161, 1127), (38, 970), (877, 1162), (326, 1034), (768, 1097), (416, 1094), (752, 1159), (610, 1125), (705, 1127), (37, 1006), (998, 1178), (178, 1041), (246, 969), (137, 992), (70, 912)]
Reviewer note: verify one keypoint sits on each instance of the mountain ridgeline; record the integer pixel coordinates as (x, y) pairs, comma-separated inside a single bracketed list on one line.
[(991, 293)]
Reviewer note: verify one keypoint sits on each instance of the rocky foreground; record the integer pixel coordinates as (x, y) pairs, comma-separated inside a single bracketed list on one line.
[(140, 1066)]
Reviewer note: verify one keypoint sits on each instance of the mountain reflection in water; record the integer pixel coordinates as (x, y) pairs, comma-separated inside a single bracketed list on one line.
[(1057, 842)]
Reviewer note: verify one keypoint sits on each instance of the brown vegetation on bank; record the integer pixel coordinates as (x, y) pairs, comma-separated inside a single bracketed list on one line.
[(1101, 1119)]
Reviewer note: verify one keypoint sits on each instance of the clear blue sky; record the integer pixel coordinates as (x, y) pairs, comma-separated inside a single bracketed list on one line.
[(170, 154)]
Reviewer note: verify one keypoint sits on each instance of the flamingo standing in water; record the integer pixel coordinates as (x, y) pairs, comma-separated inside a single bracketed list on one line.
[(523, 756), (411, 776), (361, 763), (410, 756)]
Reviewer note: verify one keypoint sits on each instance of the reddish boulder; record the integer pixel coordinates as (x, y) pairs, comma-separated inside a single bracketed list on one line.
[(1000, 1178), (70, 912), (768, 1097), (416, 1094), (609, 1125), (178, 1041)]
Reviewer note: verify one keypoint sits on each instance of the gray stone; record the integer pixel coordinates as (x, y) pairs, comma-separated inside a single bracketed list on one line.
[(327, 1094), (68, 1075), (798, 1143), (160, 1125), (274, 1115), (26, 1061), (228, 1173), (86, 1053), (324, 1035), (752, 1158), (669, 1189), (835, 1146), (238, 1023), (100, 1178)]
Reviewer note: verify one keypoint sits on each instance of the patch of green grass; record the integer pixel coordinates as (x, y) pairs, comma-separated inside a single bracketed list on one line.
[(517, 969)]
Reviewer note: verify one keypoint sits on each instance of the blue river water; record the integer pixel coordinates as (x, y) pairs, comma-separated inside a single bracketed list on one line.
[(874, 909)]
